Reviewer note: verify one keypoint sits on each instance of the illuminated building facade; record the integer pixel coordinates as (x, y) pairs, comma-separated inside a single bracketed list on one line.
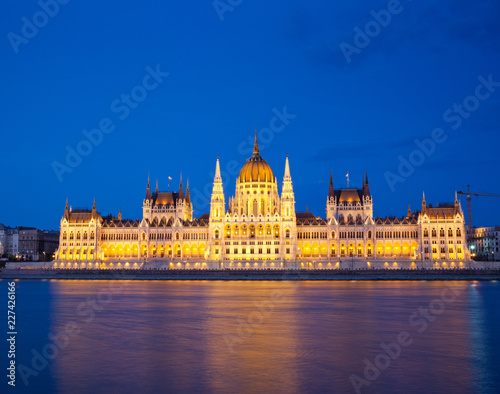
[(260, 229)]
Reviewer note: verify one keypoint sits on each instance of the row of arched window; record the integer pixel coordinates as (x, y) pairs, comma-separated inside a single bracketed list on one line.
[(78, 235), (441, 232)]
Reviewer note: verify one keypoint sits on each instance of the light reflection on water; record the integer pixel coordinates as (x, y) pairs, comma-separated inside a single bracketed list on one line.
[(173, 336)]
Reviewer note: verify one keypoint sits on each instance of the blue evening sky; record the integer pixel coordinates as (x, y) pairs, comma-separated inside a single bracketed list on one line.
[(353, 101)]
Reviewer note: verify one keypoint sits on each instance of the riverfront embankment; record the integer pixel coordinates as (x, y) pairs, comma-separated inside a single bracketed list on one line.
[(152, 274)]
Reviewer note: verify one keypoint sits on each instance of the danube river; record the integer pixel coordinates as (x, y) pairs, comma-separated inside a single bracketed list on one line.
[(76, 336)]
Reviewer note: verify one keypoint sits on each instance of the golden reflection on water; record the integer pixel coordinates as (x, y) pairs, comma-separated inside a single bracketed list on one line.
[(256, 336)]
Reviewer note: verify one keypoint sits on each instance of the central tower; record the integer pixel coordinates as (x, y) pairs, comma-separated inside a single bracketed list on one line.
[(256, 188)]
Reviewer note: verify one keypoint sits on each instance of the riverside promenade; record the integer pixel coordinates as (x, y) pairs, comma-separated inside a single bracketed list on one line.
[(274, 275)]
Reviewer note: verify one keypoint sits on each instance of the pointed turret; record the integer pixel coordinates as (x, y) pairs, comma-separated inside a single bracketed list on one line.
[(148, 190), (66, 210), (366, 189), (408, 214), (424, 204), (217, 205), (94, 210), (181, 190), (287, 168), (120, 214), (217, 177), (188, 195), (156, 190), (331, 191), (457, 204), (287, 195)]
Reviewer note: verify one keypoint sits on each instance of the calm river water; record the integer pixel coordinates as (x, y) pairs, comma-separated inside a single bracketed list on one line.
[(255, 337)]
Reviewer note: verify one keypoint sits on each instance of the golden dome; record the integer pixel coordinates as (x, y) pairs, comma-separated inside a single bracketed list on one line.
[(256, 168)]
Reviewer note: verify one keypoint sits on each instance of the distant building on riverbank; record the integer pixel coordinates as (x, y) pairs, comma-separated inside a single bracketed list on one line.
[(9, 241), (37, 245), (28, 243), (260, 229), (484, 243)]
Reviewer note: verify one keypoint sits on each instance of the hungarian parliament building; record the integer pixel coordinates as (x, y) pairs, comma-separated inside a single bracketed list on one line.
[(260, 229)]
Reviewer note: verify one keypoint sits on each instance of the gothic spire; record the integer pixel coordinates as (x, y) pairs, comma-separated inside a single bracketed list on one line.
[(181, 189), (148, 190), (217, 170), (256, 144), (94, 209), (66, 209), (120, 214), (409, 211), (287, 168), (188, 195), (156, 191), (331, 191), (366, 190)]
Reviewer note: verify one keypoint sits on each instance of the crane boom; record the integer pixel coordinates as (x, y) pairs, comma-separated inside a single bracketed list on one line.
[(468, 193)]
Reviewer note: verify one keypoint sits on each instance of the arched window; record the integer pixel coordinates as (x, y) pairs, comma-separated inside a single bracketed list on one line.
[(441, 232), (71, 235), (287, 233), (433, 232), (65, 235), (369, 233), (143, 236), (177, 235), (426, 232), (459, 233), (85, 235), (450, 232), (255, 208), (216, 234), (333, 234), (78, 235)]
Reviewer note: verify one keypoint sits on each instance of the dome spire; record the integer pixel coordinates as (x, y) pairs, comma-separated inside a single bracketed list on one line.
[(256, 144)]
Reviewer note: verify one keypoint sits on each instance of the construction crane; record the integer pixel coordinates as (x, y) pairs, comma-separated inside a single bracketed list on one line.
[(468, 193)]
